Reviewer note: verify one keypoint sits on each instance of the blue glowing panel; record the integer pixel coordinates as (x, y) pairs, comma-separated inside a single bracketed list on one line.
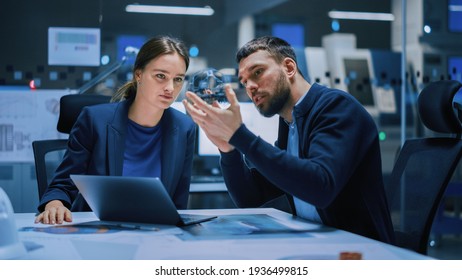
[(124, 41), (294, 34), (455, 15)]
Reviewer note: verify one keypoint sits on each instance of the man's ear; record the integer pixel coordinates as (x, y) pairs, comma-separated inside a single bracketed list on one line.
[(290, 66)]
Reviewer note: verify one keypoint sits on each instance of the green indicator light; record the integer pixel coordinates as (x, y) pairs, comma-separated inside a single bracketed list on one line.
[(382, 136)]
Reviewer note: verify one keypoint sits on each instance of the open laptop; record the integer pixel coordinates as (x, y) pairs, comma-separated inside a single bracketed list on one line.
[(132, 200)]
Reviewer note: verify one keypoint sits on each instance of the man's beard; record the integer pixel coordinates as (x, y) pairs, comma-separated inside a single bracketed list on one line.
[(279, 99)]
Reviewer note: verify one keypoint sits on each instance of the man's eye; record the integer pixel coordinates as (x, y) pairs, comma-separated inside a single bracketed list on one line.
[(160, 76)]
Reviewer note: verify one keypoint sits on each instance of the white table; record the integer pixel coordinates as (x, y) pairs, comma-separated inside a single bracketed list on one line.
[(239, 234)]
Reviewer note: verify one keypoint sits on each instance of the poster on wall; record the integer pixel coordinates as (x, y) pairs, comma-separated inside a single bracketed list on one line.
[(25, 116)]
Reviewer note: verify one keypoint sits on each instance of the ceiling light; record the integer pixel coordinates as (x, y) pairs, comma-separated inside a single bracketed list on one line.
[(173, 10), (455, 8), (361, 16)]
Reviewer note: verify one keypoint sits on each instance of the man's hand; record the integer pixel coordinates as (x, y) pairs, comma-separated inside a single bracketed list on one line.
[(218, 124)]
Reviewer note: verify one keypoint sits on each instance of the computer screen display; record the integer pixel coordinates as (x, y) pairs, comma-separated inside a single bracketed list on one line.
[(358, 80), (352, 71), (68, 46)]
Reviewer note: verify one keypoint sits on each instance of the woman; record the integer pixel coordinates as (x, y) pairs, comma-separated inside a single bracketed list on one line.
[(138, 136)]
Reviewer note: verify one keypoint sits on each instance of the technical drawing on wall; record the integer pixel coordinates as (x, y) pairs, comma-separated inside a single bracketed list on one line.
[(25, 116)]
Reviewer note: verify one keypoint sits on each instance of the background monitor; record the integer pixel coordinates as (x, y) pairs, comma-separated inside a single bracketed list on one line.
[(352, 72), (70, 46), (358, 80), (387, 69)]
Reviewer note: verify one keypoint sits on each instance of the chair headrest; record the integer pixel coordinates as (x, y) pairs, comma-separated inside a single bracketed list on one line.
[(439, 105), (70, 106)]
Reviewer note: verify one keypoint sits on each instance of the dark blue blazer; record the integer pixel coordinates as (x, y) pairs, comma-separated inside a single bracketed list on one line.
[(96, 147)]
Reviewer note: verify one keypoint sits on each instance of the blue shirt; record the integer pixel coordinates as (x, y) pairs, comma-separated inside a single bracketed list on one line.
[(304, 209), (142, 151)]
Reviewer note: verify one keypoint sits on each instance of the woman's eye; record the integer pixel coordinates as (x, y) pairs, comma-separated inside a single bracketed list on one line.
[(179, 80), (160, 76)]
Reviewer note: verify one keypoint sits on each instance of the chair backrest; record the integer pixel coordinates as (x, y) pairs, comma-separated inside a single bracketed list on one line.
[(45, 162), (44, 167), (72, 104), (425, 166)]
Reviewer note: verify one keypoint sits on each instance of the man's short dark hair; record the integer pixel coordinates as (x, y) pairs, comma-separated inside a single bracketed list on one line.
[(276, 47)]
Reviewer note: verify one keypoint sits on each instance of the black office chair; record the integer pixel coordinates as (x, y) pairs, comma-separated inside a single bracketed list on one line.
[(425, 166), (448, 217), (45, 161)]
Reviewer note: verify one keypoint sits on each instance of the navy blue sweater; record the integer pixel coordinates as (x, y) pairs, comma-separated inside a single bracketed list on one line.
[(339, 170)]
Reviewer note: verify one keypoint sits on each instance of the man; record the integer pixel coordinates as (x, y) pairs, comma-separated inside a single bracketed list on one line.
[(327, 155)]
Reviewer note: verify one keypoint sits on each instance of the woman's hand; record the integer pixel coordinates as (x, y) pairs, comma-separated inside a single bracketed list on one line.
[(55, 213)]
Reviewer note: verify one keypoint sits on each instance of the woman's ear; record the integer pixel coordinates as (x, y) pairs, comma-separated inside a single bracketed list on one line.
[(138, 75)]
